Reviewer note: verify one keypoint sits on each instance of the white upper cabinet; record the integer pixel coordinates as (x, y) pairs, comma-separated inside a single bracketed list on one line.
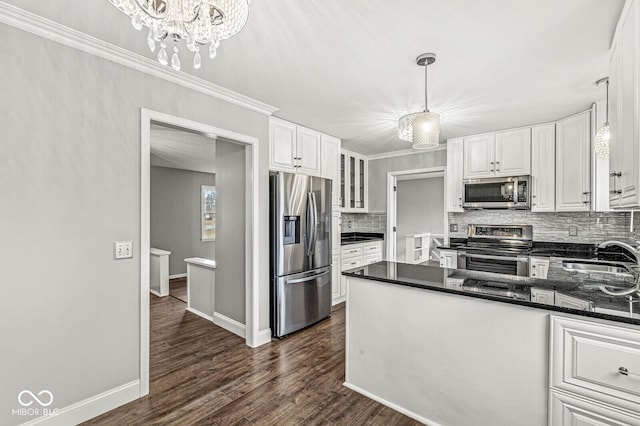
[(624, 87), (479, 156), (331, 166), (454, 175), (513, 152), (294, 148), (506, 153), (357, 172), (573, 163), (308, 153), (543, 168)]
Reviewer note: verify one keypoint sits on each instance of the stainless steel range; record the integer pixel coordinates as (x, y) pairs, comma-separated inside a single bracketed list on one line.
[(497, 248)]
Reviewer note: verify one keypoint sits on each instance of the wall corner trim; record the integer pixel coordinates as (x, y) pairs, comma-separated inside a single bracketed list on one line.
[(46, 28), (264, 337), (91, 407)]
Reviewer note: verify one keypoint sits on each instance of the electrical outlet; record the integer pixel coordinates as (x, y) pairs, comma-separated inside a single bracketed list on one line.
[(573, 231), (453, 227), (122, 249)]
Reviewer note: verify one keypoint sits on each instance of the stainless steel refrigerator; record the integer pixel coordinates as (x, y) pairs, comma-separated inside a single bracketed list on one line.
[(300, 251)]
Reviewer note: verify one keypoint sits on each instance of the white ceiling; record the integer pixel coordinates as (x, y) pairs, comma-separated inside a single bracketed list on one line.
[(181, 149), (346, 67)]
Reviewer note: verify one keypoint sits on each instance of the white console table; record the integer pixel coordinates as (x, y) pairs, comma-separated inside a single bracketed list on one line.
[(159, 272), (201, 280)]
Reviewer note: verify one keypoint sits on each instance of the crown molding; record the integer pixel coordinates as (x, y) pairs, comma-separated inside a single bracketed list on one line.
[(46, 28), (403, 152)]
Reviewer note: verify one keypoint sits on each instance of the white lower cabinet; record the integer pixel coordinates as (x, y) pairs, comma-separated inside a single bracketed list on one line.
[(354, 256), (538, 267), (336, 282), (448, 259), (595, 368), (569, 410)]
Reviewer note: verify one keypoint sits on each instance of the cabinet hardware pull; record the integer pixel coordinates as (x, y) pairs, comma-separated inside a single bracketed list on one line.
[(626, 372), (492, 162), (615, 174), (615, 192)]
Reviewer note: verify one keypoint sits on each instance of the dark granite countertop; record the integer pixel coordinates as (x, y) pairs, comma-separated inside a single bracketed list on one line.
[(360, 237), (433, 277)]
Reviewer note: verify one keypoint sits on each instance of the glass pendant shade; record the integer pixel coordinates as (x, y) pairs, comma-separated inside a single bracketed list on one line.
[(422, 129), (601, 142)]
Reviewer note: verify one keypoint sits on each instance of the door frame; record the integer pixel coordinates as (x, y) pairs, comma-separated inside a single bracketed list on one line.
[(392, 181), (252, 275)]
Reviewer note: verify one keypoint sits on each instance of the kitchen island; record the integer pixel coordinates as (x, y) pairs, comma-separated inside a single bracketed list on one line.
[(445, 355)]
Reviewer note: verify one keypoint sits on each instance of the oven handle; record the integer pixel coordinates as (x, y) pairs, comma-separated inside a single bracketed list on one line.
[(486, 256)]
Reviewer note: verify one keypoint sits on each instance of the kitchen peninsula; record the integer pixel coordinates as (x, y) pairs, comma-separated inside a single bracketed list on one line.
[(424, 344)]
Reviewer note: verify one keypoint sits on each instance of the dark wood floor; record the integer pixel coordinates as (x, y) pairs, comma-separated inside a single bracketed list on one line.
[(202, 374), (178, 289)]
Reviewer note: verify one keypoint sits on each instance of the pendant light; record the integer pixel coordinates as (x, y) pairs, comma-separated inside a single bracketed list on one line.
[(422, 129), (603, 135)]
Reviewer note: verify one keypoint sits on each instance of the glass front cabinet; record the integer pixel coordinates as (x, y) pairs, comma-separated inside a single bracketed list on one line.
[(354, 172)]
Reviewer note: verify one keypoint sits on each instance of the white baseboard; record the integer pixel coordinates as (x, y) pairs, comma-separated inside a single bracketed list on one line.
[(264, 337), (174, 276), (391, 405), (152, 291), (91, 407), (200, 314), (229, 324)]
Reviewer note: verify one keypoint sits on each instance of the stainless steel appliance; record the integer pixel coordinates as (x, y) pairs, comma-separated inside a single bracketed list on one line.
[(497, 193), (300, 251), (502, 249), (508, 290)]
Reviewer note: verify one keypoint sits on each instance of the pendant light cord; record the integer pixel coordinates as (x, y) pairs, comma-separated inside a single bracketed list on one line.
[(426, 105), (607, 114)]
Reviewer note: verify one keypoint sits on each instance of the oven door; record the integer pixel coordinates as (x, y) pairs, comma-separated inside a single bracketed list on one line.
[(497, 193), (508, 265)]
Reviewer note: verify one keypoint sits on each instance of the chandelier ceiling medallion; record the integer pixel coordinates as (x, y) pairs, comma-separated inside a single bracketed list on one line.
[(421, 129), (198, 22)]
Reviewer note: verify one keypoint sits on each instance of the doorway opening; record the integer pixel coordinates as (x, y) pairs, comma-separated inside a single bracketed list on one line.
[(416, 214), (241, 229)]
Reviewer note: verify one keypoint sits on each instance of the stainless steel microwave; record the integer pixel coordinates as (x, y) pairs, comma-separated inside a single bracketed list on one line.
[(512, 192)]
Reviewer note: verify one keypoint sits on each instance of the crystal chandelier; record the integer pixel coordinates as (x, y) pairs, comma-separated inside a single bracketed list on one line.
[(422, 129), (198, 22), (603, 136)]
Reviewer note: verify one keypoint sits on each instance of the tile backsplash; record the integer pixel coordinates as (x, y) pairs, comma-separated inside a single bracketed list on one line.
[(590, 227), (364, 222)]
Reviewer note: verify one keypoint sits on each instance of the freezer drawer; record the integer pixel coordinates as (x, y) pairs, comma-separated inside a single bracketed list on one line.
[(302, 300)]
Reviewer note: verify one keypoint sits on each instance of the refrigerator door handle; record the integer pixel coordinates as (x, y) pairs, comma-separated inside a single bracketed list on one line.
[(314, 230), (307, 231), (309, 278)]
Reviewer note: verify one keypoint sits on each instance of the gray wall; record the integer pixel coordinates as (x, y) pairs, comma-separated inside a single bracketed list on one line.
[(378, 170), (175, 215), (230, 238), (70, 179), (419, 209)]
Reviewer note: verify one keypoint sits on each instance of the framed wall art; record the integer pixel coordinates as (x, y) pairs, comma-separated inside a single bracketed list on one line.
[(208, 213)]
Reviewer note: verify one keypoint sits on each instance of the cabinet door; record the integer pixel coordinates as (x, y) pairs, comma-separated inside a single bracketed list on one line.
[(615, 144), (573, 163), (454, 175), (358, 170), (479, 156), (331, 166), (538, 267), (335, 231), (628, 132), (543, 168), (282, 145), (513, 152), (343, 189), (448, 259), (308, 151), (567, 410), (336, 282)]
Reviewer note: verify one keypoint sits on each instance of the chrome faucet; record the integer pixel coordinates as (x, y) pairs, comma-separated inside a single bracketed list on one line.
[(635, 251)]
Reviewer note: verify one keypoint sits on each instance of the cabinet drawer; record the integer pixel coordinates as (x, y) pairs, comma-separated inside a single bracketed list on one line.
[(369, 248), (352, 250), (596, 360), (368, 259), (566, 410), (351, 263)]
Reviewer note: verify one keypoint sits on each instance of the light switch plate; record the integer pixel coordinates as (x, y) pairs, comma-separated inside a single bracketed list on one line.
[(573, 231), (122, 249), (453, 227)]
